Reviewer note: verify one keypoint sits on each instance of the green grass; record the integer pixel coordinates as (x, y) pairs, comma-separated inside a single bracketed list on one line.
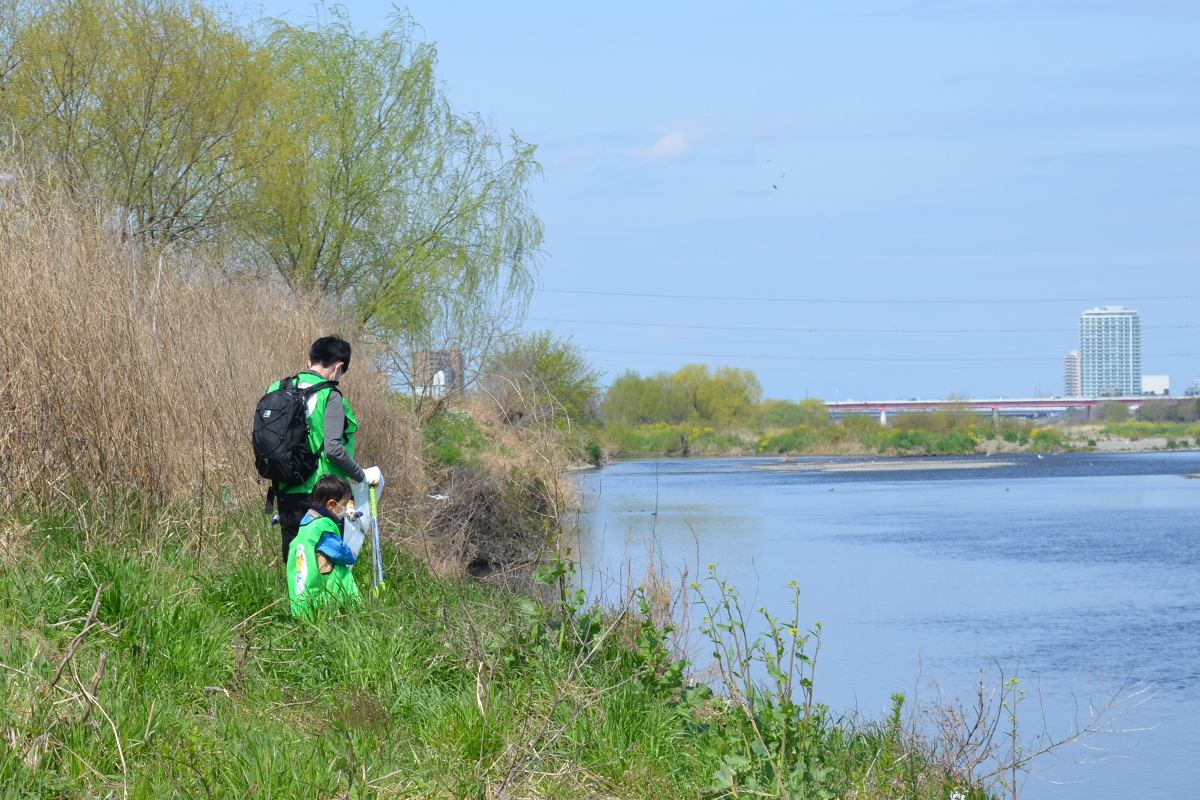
[(870, 435), (393, 686), (435, 687), (940, 433), (450, 436), (915, 441), (1176, 430), (661, 437)]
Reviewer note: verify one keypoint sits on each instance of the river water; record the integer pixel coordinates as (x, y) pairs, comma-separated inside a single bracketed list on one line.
[(1070, 568)]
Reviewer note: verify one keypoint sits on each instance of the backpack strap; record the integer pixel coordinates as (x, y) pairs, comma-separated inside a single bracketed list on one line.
[(309, 391)]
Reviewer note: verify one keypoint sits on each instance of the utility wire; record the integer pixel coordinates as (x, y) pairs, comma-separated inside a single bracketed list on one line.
[(859, 302), (833, 330), (970, 359)]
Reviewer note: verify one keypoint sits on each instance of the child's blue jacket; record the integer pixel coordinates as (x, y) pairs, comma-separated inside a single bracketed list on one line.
[(332, 546)]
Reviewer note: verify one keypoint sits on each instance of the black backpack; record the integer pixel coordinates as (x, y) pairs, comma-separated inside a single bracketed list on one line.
[(280, 438)]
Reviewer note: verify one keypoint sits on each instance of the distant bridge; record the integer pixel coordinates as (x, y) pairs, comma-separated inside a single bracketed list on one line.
[(997, 406)]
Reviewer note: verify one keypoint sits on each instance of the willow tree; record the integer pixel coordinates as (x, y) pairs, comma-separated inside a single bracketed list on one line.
[(326, 155), (379, 194), (158, 104)]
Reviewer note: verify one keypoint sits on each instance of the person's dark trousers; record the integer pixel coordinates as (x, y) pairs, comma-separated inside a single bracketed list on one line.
[(292, 508)]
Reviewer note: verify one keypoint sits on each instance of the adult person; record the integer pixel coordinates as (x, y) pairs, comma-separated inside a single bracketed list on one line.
[(331, 429)]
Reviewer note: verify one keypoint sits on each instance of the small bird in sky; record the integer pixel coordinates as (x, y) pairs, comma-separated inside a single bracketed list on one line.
[(773, 186)]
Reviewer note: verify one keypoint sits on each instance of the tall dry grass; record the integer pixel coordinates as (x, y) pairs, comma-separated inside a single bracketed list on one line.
[(127, 372)]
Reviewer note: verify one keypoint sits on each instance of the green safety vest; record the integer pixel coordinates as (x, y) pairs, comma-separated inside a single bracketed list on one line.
[(308, 589), (316, 432)]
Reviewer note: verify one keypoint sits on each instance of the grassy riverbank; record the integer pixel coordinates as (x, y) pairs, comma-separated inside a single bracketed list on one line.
[(204, 686), (907, 435), (939, 433)]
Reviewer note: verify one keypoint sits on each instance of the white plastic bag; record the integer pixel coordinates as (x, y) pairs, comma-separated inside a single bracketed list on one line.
[(362, 504), (353, 533)]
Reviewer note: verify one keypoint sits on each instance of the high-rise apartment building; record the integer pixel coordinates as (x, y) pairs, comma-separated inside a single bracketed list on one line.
[(1110, 352), (1071, 384)]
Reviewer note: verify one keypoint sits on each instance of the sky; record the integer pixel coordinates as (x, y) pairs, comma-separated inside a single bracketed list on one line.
[(887, 199)]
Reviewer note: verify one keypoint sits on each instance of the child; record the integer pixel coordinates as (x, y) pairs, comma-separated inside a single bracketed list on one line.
[(318, 565)]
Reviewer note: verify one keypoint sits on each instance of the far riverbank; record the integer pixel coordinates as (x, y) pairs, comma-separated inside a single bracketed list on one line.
[(836, 440)]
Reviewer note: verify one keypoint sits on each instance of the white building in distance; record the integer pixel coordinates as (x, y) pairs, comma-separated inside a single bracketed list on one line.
[(1071, 383), (1110, 352), (1156, 384)]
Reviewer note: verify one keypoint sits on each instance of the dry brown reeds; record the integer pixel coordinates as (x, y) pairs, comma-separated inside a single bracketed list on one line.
[(496, 516), (128, 371)]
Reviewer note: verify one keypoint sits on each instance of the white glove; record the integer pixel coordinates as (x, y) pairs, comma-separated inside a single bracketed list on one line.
[(374, 478)]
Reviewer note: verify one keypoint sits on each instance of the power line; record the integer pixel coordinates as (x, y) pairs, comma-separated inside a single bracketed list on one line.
[(832, 330), (977, 301), (969, 359)]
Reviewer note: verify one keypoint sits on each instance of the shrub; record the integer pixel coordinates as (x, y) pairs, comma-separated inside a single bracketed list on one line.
[(1010, 435), (1168, 411), (1175, 430), (907, 440), (796, 440), (448, 433), (788, 414), (663, 438), (544, 377), (1046, 439), (1114, 412)]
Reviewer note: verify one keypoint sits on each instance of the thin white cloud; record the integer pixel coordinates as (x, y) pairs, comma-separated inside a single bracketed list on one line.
[(673, 145)]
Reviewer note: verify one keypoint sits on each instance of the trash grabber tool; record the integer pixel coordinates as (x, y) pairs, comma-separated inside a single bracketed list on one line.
[(376, 555)]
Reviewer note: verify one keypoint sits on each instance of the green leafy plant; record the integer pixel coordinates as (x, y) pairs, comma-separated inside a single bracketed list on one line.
[(768, 745)]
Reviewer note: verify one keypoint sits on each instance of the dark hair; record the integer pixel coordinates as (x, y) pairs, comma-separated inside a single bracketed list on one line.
[(329, 350), (329, 487)]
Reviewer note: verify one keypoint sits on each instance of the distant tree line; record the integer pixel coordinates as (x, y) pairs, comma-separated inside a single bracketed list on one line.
[(1161, 411), (724, 397)]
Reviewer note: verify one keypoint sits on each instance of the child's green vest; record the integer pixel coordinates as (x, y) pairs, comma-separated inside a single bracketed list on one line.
[(316, 433), (308, 589)]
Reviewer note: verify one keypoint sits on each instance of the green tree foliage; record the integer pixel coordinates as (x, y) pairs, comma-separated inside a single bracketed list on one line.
[(692, 394), (1114, 412), (378, 189), (315, 151), (789, 414), (730, 395), (1161, 411), (634, 400), (158, 105), (541, 376)]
